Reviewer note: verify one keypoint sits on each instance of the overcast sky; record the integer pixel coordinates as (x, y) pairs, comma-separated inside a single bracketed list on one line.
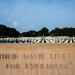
[(27, 15)]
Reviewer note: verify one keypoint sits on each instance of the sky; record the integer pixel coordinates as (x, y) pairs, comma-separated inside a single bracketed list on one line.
[(25, 15)]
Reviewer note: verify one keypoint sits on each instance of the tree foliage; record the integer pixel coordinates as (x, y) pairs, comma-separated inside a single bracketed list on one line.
[(8, 32), (12, 32), (43, 32), (30, 33), (63, 32)]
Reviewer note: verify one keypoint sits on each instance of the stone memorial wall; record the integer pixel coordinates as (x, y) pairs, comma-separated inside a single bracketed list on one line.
[(37, 59)]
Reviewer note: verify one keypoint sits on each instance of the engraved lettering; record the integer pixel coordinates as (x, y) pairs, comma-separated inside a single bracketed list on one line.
[(9, 56), (34, 56), (12, 66)]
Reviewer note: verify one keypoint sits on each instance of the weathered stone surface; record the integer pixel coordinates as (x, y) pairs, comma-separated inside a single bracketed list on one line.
[(37, 59)]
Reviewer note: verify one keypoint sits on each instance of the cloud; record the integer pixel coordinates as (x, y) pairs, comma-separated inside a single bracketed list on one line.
[(15, 24)]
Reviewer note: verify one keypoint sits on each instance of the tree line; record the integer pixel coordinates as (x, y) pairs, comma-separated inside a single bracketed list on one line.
[(12, 32)]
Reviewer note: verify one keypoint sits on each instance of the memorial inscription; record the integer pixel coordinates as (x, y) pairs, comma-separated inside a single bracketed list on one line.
[(45, 59)]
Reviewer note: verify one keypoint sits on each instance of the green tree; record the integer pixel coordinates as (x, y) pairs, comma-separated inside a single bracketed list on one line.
[(43, 32), (8, 32), (30, 33)]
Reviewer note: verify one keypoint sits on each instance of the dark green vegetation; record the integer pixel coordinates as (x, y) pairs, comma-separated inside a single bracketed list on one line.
[(63, 32), (12, 32), (43, 32), (8, 32)]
